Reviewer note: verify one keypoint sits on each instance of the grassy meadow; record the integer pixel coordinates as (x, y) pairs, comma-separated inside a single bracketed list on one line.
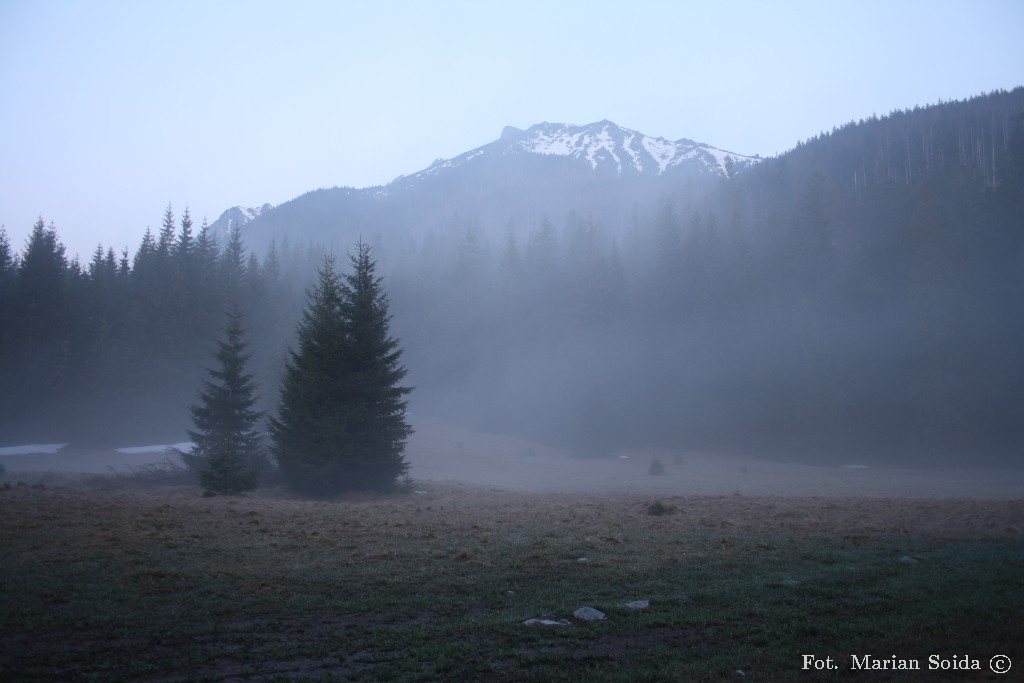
[(161, 584)]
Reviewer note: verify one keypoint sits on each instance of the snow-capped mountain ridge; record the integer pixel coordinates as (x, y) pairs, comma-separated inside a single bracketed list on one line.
[(605, 147), (555, 160)]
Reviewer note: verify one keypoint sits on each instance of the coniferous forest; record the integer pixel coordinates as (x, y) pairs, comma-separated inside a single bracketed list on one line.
[(860, 294)]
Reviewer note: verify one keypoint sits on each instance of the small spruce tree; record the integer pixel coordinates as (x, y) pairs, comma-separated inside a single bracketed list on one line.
[(227, 451), (341, 417)]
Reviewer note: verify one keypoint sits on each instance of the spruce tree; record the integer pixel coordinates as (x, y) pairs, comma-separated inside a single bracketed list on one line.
[(377, 372), (227, 450), (40, 316), (341, 418)]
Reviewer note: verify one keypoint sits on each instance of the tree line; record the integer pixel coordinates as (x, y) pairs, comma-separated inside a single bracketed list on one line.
[(119, 348), (112, 349)]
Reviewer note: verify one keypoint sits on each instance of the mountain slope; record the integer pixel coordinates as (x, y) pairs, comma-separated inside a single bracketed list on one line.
[(598, 170)]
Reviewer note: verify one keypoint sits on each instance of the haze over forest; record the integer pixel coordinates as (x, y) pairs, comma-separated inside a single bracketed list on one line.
[(592, 287)]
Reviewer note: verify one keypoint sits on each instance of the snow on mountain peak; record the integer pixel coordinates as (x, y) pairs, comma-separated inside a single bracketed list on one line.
[(237, 216), (605, 147), (628, 150)]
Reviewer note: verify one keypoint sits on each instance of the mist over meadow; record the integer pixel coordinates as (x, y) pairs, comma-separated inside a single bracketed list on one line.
[(855, 297)]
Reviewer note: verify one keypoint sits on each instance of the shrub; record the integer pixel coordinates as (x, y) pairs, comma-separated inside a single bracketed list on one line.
[(657, 508)]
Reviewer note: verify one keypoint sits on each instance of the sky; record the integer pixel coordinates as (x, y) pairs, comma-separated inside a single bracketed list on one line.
[(111, 110)]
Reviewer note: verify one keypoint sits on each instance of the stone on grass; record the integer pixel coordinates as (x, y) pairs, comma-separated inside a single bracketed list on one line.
[(546, 622), (907, 559), (637, 604), (589, 614), (583, 560)]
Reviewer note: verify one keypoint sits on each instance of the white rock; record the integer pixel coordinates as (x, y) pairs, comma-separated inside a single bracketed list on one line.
[(546, 622), (637, 604), (589, 614)]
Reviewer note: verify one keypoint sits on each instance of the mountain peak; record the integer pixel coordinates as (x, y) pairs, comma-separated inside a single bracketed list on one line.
[(237, 216), (606, 147), (511, 133)]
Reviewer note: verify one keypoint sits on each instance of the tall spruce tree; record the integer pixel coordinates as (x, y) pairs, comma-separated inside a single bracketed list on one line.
[(227, 450), (40, 315), (341, 418)]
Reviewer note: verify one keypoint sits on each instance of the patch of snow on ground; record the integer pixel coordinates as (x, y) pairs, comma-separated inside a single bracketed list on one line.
[(184, 446), (30, 449)]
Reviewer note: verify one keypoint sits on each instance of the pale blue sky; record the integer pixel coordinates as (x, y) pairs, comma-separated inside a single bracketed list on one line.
[(108, 110)]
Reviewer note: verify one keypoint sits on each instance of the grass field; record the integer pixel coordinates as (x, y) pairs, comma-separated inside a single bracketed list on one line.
[(160, 584)]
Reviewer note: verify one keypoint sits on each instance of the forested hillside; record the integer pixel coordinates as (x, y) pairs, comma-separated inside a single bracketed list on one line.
[(856, 296)]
